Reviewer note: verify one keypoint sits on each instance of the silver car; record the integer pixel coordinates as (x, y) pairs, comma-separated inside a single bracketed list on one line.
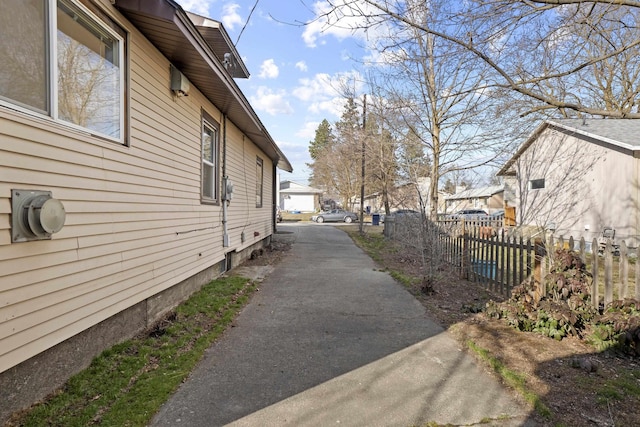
[(336, 215)]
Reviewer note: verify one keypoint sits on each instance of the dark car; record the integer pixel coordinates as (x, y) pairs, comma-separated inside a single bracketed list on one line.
[(335, 215)]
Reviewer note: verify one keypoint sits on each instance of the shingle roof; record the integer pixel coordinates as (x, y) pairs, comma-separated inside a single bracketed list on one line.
[(621, 132), (624, 133)]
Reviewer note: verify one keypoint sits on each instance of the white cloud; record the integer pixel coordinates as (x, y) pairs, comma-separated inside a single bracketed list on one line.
[(230, 16), (308, 131), (323, 88), (269, 70), (302, 66), (310, 88), (201, 7), (271, 102), (341, 20), (333, 106)]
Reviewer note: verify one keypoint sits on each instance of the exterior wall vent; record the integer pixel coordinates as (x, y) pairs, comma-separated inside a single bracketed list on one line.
[(35, 215)]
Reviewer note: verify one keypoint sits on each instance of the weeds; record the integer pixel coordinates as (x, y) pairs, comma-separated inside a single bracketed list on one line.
[(514, 379)]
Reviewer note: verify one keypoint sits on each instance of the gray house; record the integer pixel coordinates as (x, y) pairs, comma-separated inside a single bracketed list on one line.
[(574, 177)]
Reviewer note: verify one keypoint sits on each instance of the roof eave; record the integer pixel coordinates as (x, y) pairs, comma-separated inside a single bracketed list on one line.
[(219, 40), (171, 30), (506, 169)]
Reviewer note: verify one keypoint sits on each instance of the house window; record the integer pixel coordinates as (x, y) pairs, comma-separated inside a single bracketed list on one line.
[(259, 177), (536, 184), (209, 159), (68, 65)]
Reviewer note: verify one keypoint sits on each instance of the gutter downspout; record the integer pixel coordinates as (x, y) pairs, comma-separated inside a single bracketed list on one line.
[(225, 180), (274, 195)]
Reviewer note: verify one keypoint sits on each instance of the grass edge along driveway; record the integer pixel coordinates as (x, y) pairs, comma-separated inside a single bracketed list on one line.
[(127, 383)]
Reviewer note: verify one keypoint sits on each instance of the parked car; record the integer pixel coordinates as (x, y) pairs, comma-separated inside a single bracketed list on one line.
[(471, 214), (335, 215)]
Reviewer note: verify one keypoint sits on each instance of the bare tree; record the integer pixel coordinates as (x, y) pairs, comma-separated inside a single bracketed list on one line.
[(381, 151), (436, 94), (336, 155), (540, 50)]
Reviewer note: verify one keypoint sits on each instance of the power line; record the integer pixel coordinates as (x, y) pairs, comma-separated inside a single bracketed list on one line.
[(247, 22)]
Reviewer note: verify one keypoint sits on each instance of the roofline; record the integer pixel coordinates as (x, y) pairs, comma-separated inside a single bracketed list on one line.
[(505, 170), (203, 21), (594, 136), (170, 12), (453, 196)]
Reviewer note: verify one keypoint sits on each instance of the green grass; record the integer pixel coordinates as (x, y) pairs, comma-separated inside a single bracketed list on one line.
[(127, 384), (374, 244), (624, 385), (514, 379)]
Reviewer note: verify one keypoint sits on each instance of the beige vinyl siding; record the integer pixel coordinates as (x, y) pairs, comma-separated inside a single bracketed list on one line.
[(241, 169), (135, 225), (588, 185)]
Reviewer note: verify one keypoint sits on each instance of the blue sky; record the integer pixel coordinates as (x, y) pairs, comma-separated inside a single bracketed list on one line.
[(295, 68)]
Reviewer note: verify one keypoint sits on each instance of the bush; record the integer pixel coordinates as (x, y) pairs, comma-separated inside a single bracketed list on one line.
[(564, 309), (618, 328)]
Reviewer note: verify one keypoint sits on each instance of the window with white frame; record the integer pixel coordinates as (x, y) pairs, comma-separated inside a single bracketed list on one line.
[(259, 178), (64, 59), (210, 162)]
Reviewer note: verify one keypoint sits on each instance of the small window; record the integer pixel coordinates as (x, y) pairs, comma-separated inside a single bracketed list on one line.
[(68, 65), (536, 184), (259, 177), (209, 159)]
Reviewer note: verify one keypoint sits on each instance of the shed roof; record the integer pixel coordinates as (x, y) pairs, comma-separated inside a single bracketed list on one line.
[(297, 188)]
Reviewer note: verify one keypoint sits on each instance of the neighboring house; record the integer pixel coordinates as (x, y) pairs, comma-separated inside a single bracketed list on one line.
[(490, 199), (132, 171), (416, 196), (573, 177), (298, 197), (405, 195)]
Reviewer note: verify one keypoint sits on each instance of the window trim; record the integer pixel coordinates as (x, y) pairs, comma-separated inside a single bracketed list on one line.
[(106, 23), (536, 184), (259, 182), (208, 121)]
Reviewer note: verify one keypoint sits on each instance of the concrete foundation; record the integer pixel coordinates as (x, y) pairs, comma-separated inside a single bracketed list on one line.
[(34, 379)]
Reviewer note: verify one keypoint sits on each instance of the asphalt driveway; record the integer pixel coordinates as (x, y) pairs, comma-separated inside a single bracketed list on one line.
[(328, 339)]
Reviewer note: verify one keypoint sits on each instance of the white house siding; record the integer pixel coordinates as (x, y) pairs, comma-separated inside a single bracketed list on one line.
[(588, 185), (135, 225)]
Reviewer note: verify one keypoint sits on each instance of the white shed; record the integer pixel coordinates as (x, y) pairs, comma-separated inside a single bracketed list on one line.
[(298, 197)]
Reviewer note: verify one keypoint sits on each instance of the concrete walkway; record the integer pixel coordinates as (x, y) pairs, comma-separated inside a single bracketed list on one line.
[(330, 340)]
